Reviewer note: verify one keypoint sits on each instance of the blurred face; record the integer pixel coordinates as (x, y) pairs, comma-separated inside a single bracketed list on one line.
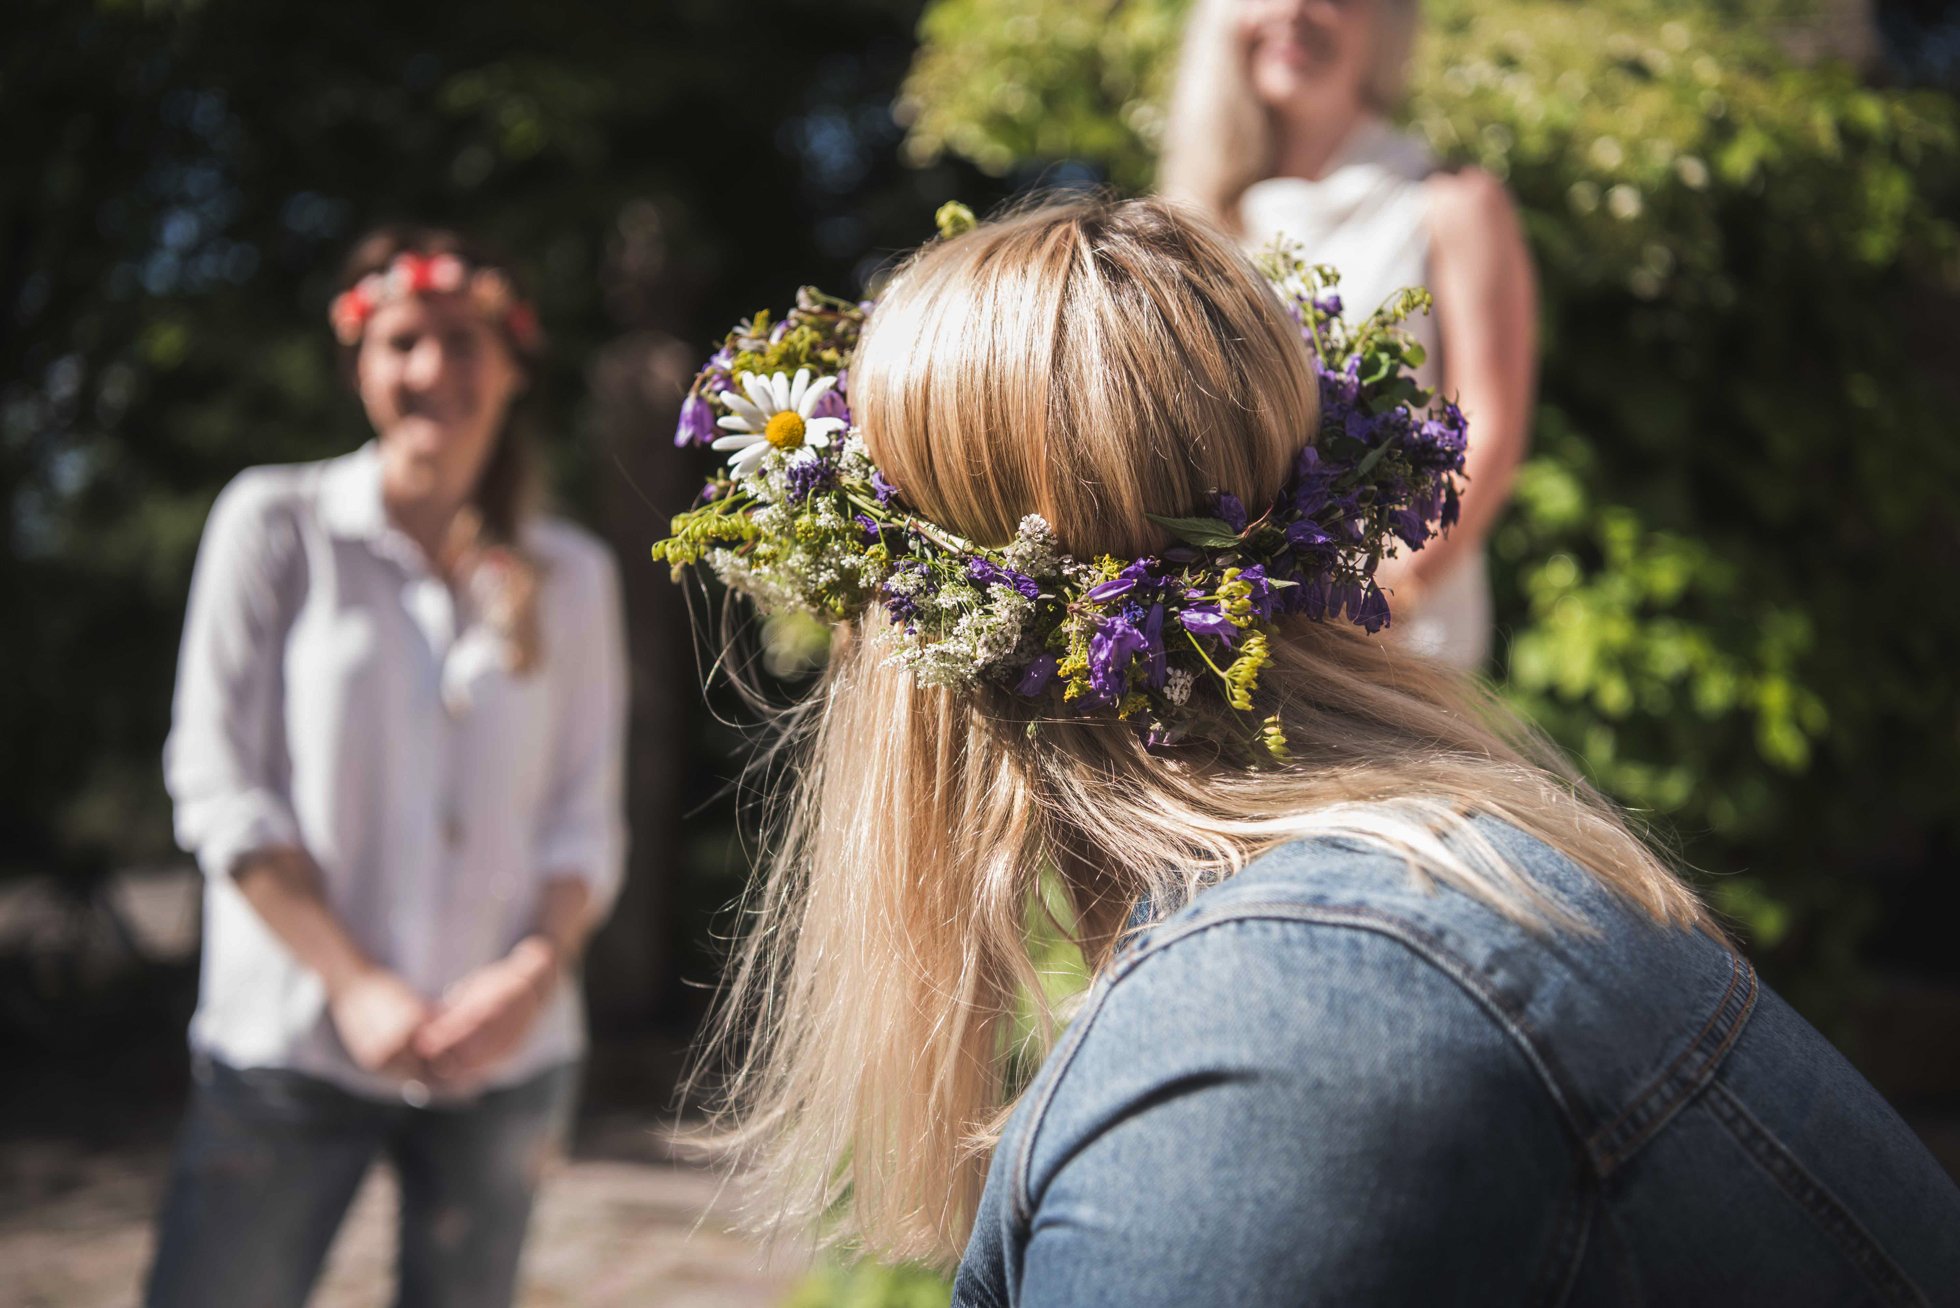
[(1308, 57), (436, 380)]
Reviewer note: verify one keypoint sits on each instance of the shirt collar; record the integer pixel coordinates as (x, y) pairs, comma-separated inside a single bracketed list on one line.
[(350, 495)]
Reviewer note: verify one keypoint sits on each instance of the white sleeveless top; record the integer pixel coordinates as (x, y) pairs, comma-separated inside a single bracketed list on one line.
[(1369, 217)]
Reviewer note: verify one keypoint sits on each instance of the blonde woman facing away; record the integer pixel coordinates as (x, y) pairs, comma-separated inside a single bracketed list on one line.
[(396, 751), (1387, 1008), (1277, 129)]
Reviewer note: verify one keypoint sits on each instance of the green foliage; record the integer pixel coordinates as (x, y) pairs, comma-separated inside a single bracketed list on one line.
[(842, 1284), (1010, 82), (1722, 577)]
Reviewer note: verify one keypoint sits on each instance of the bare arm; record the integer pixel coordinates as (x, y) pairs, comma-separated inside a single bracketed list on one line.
[(487, 1014), (282, 885), (375, 1012), (1487, 312)]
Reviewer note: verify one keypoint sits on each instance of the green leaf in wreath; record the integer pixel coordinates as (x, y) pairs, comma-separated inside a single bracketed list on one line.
[(1205, 533), (1370, 459)]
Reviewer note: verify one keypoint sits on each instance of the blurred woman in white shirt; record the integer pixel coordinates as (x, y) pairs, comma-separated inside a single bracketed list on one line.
[(1279, 128), (396, 750)]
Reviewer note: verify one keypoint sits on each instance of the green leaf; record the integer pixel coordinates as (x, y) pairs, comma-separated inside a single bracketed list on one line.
[(1369, 460), (1205, 533)]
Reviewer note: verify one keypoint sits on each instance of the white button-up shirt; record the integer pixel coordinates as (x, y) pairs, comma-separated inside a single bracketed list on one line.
[(333, 693)]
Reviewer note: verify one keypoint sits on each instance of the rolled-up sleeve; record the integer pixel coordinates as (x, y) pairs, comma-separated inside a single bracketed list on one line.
[(582, 831), (225, 762)]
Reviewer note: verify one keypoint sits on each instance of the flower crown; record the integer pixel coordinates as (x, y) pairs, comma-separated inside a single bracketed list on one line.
[(802, 520), (489, 291)]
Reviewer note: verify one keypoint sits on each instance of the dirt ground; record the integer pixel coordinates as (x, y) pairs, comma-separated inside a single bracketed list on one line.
[(619, 1224), (91, 1094)]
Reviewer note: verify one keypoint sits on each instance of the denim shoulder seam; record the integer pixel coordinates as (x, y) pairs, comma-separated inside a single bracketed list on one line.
[(1669, 1090), (1837, 1222), (1045, 1093), (1418, 942)]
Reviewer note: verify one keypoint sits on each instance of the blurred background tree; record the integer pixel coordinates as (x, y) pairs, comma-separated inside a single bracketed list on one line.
[(180, 182), (1725, 582)]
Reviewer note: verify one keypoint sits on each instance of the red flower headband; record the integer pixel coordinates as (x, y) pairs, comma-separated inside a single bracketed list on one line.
[(489, 290)]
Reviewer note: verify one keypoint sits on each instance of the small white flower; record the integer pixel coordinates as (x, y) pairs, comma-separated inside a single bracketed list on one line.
[(1177, 688), (1032, 551), (775, 413)]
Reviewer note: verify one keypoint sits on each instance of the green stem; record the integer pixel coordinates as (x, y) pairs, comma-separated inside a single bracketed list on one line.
[(1206, 657), (939, 536)]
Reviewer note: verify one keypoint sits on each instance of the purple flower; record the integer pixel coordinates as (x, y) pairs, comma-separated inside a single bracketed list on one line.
[(1136, 574), (805, 477), (1261, 597), (1329, 304), (883, 489), (992, 574), (714, 377), (871, 530), (1208, 620), (1362, 426), (1344, 597), (1313, 480), (1309, 597), (1373, 615), (1411, 525), (1111, 651), (898, 603), (1110, 589), (832, 404), (1035, 679), (1339, 389), (697, 424), (1306, 533), (1229, 509), (1345, 514)]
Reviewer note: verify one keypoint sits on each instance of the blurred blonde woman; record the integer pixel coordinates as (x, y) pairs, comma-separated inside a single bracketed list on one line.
[(1278, 128), (396, 750), (1408, 1016)]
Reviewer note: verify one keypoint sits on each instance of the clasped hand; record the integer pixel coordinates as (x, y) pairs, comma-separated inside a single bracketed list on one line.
[(389, 1028)]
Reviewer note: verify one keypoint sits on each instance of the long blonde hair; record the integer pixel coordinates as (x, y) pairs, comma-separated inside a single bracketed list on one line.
[(1095, 362), (1218, 138)]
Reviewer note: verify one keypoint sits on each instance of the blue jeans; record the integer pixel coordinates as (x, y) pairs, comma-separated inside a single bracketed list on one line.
[(270, 1159)]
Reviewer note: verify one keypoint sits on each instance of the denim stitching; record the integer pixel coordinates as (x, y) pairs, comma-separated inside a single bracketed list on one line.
[(1162, 936), (1424, 946), (1844, 1230), (1144, 943), (1653, 1107), (1656, 1103), (1064, 1055)]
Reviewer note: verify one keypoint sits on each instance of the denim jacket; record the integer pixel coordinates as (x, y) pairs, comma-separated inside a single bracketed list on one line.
[(1320, 1083)]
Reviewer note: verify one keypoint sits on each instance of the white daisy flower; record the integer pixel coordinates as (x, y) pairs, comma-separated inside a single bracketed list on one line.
[(774, 414)]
